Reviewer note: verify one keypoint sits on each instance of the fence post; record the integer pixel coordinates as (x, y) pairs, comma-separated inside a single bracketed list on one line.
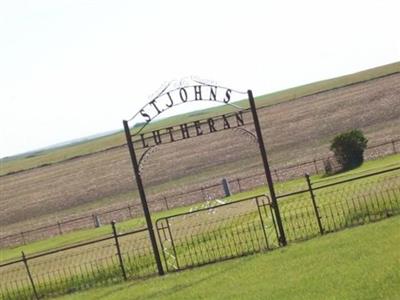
[(23, 238), (130, 210), (59, 228), (394, 146), (121, 262), (240, 187), (29, 274), (276, 175), (203, 193), (321, 230), (166, 202), (267, 170), (315, 166)]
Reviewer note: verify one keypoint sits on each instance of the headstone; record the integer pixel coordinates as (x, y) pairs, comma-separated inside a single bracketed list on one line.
[(225, 185), (97, 222)]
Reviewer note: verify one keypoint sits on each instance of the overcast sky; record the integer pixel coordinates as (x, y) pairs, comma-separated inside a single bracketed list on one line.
[(75, 68)]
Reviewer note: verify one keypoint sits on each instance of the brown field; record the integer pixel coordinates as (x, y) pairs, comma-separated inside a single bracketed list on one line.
[(294, 131)]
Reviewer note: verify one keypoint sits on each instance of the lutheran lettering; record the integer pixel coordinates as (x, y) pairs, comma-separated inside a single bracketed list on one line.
[(183, 95), (186, 131)]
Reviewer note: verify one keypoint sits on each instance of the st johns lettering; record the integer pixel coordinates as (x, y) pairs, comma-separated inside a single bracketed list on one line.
[(183, 95)]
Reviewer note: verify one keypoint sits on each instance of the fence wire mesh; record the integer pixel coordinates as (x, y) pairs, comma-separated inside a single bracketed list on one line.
[(212, 234), (78, 267), (340, 204), (356, 203)]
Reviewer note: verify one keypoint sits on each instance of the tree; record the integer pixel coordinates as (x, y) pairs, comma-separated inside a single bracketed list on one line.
[(348, 148)]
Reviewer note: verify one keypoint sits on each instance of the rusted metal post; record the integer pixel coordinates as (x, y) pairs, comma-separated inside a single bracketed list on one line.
[(166, 202), (121, 261), (315, 166), (25, 261), (23, 238), (282, 237), (321, 229), (143, 198), (130, 210), (240, 187), (59, 228), (203, 193)]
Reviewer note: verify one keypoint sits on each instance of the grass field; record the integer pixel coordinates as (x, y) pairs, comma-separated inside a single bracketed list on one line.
[(358, 263), (281, 188)]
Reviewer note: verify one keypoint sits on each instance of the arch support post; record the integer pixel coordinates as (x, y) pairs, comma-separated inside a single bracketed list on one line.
[(263, 152), (143, 198)]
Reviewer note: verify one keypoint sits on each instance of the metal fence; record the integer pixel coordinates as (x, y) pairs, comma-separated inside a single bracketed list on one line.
[(248, 226), (69, 269), (188, 197), (212, 234), (327, 206), (207, 235)]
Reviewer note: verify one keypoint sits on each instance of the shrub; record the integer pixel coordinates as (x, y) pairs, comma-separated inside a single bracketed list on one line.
[(348, 148)]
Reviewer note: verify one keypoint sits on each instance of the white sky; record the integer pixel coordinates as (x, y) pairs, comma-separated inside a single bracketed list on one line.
[(74, 68)]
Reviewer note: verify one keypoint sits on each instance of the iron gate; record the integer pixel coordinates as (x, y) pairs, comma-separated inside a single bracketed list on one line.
[(217, 233)]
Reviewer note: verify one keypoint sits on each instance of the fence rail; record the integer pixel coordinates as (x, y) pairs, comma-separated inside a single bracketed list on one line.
[(166, 202), (248, 226), (206, 235)]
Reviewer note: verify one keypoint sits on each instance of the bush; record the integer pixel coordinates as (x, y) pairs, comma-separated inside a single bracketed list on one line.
[(349, 148)]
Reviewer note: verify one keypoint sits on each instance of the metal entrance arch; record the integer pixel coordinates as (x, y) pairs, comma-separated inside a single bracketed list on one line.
[(173, 95)]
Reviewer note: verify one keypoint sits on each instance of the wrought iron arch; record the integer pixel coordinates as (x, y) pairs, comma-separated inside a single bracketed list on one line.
[(152, 110), (156, 106)]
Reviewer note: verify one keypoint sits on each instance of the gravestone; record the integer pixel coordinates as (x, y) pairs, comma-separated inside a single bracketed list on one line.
[(227, 189)]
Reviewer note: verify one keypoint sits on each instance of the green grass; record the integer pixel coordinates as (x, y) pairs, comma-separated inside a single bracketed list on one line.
[(282, 187), (360, 263), (21, 162)]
